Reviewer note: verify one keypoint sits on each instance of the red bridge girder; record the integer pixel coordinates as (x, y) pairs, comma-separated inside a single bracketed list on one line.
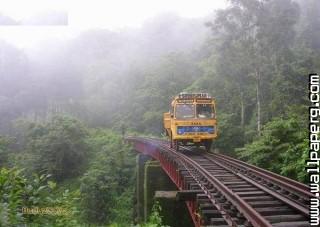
[(211, 174), (170, 166)]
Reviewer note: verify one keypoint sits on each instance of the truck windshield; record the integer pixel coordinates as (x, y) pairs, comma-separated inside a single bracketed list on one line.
[(184, 111), (205, 111)]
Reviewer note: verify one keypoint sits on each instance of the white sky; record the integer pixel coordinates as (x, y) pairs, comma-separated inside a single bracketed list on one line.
[(84, 14)]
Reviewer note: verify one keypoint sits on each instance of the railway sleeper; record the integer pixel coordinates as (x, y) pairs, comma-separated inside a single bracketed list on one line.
[(184, 172), (217, 221), (190, 182), (269, 211), (215, 173), (244, 185), (188, 178), (235, 183), (217, 226), (304, 200), (203, 161), (200, 201), (215, 169), (201, 197), (265, 204), (250, 194), (206, 206), (292, 224), (187, 184), (222, 200), (207, 214), (285, 218), (205, 164), (195, 187), (224, 175), (181, 167), (197, 184), (249, 189), (258, 198), (228, 179)]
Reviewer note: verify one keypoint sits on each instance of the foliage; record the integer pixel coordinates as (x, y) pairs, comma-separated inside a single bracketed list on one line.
[(106, 189), (107, 184), (228, 131), (57, 147), (12, 188), (155, 219), (4, 149), (120, 213), (17, 193), (163, 79), (284, 141)]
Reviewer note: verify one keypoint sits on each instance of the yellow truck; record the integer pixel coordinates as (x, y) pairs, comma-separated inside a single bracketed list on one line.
[(191, 120)]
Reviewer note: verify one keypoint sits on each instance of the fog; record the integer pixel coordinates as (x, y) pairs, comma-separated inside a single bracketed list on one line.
[(90, 74), (111, 74)]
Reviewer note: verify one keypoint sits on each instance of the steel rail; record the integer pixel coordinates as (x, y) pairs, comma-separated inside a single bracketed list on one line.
[(291, 203), (266, 181), (204, 189), (298, 193), (287, 182), (251, 215), (207, 192)]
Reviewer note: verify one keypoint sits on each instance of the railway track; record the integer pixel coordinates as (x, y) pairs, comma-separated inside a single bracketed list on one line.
[(229, 192)]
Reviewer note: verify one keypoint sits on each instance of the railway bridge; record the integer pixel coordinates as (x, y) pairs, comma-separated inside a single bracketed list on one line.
[(222, 191)]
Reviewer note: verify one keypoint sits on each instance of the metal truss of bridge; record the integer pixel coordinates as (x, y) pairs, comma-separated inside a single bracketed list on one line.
[(221, 191)]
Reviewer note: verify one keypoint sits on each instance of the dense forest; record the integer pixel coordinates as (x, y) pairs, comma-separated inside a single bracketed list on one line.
[(63, 106)]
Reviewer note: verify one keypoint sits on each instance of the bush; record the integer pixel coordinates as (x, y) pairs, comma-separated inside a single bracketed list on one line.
[(4, 149), (57, 147), (108, 182), (282, 148), (230, 134), (155, 219), (18, 192)]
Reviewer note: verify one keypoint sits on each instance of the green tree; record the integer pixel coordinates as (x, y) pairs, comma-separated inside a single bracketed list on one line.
[(108, 181), (57, 147), (4, 149), (282, 147)]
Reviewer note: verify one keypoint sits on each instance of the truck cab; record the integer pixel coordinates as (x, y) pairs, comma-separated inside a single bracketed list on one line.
[(191, 120)]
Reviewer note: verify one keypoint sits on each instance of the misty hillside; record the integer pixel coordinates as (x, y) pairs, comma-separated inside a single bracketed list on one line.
[(93, 65)]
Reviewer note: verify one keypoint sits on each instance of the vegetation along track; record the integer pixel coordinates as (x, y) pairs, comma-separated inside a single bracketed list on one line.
[(230, 192)]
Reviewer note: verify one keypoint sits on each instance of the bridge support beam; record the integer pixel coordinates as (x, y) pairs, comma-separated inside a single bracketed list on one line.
[(140, 162), (150, 179), (171, 167)]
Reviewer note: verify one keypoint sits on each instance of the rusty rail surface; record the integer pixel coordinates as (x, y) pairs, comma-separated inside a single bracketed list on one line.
[(230, 192)]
